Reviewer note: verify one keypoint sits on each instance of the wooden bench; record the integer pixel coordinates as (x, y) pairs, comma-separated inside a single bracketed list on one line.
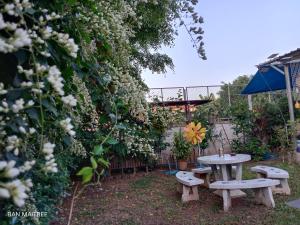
[(274, 173), (188, 185), (261, 187), (204, 174)]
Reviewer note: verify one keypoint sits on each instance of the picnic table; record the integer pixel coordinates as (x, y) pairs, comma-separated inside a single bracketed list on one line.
[(225, 163)]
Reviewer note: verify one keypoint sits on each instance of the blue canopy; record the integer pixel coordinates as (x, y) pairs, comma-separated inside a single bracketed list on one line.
[(265, 79)]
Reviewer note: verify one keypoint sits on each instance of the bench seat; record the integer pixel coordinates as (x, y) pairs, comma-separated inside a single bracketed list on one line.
[(188, 185), (203, 173), (261, 187), (274, 173)]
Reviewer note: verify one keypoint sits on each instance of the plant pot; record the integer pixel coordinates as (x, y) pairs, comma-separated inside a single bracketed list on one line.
[(182, 164)]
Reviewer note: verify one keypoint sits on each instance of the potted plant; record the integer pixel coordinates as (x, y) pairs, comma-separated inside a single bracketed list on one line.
[(182, 149)]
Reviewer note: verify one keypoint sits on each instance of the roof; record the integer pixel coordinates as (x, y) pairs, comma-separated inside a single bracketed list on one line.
[(291, 57), (266, 79)]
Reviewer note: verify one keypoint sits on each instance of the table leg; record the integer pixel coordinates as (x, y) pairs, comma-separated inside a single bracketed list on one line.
[(225, 172), (215, 172), (226, 175), (239, 171)]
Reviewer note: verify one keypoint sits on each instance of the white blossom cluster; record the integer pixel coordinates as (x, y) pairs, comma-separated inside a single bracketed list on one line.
[(69, 100), (38, 80), (67, 126), (78, 149), (54, 77), (87, 107), (138, 146), (132, 93), (51, 165), (15, 189), (13, 144)]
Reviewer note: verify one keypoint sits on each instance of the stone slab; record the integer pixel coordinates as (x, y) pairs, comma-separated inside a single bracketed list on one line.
[(294, 204)]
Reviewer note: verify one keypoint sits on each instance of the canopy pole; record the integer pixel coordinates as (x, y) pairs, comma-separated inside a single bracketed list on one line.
[(291, 106), (289, 92), (250, 102)]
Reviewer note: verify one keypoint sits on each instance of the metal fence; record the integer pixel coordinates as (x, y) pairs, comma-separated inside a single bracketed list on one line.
[(227, 92)]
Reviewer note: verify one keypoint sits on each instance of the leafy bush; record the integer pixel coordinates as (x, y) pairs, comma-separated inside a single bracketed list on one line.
[(181, 148), (256, 130)]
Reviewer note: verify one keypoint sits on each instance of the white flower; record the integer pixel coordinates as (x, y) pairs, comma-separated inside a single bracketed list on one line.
[(67, 126), (2, 90), (68, 43), (26, 84), (3, 164), (4, 193), (29, 183), (50, 165), (11, 26), (48, 148), (30, 103), (9, 8), (19, 105), (50, 156), (32, 130), (20, 39), (16, 151), (2, 22), (47, 32), (22, 130), (18, 192), (46, 54), (56, 80), (5, 47), (27, 166), (13, 142), (10, 171), (69, 100)]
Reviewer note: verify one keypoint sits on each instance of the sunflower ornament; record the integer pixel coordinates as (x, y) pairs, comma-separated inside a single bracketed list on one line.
[(194, 133)]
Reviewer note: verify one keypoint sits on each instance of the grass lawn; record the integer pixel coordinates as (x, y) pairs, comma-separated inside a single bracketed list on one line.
[(152, 200)]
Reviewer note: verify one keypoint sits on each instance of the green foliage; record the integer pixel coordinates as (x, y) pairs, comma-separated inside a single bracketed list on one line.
[(286, 137), (204, 115), (256, 130), (181, 148)]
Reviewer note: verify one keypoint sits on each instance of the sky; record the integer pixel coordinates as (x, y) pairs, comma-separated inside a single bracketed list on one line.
[(239, 34)]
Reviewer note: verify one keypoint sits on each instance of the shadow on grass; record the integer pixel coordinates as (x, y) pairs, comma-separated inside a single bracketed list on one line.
[(142, 183)]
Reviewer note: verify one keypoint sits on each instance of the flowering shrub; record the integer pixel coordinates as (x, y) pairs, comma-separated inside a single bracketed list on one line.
[(34, 105)]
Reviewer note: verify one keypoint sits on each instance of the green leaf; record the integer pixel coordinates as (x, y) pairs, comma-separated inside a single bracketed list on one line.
[(84, 170), (33, 114), (112, 141), (98, 150), (49, 106), (86, 173), (94, 163), (103, 162), (121, 126), (67, 140), (87, 178)]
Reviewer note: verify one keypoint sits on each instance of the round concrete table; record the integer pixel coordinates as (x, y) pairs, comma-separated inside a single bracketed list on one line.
[(225, 163)]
